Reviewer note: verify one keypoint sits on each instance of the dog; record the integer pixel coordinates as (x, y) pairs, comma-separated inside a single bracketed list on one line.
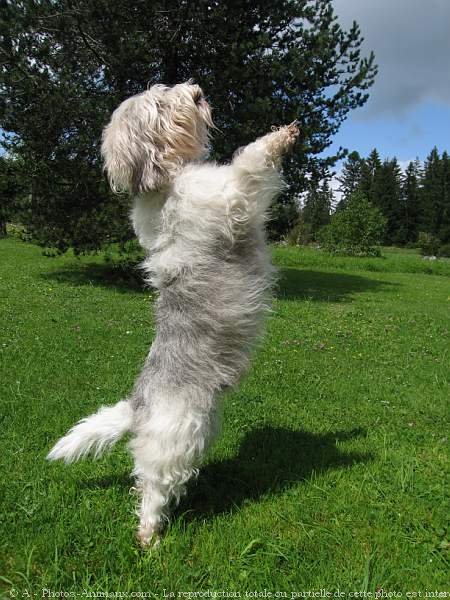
[(203, 228)]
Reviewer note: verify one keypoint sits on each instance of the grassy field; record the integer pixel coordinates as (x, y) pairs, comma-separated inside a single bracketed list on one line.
[(333, 468)]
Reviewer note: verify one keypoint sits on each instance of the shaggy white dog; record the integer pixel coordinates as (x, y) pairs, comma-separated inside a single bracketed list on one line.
[(203, 228)]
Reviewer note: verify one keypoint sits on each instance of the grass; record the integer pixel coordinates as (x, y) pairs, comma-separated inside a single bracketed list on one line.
[(333, 468)]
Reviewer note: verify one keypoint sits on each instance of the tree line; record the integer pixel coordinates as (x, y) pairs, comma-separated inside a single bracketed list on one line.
[(414, 204)]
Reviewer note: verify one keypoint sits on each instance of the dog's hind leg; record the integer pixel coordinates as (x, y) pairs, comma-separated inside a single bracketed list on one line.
[(167, 451)]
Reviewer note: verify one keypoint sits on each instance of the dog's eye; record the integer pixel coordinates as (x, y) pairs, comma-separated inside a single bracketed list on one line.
[(197, 97)]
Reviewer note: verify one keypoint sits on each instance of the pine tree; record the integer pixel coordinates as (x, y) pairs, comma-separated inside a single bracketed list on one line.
[(386, 195), (369, 170), (317, 208), (410, 201), (12, 190), (350, 178), (68, 65), (444, 231), (432, 193)]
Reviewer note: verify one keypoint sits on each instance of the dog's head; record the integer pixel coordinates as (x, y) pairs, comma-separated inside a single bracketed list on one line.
[(151, 134)]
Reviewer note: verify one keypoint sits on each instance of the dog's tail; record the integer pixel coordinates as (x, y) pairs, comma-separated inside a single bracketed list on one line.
[(95, 433)]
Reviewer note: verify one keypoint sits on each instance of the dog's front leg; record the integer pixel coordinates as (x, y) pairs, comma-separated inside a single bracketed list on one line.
[(266, 152), (255, 173)]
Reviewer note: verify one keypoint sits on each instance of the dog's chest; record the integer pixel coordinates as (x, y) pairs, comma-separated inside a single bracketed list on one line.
[(146, 217)]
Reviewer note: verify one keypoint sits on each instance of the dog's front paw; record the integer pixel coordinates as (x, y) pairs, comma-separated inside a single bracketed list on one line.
[(293, 132), (289, 134), (282, 139)]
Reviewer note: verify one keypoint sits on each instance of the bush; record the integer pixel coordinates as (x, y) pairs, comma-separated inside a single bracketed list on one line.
[(357, 230), (124, 261), (299, 235), (444, 251), (428, 244), (16, 230)]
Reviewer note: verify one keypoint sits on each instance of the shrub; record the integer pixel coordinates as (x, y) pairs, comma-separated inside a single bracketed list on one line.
[(300, 234), (356, 230), (16, 230), (444, 251), (124, 261), (428, 244)]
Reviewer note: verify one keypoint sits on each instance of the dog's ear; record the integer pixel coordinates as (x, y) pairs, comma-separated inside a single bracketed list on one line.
[(131, 148)]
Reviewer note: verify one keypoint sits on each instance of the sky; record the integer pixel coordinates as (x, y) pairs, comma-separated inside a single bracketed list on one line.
[(408, 111)]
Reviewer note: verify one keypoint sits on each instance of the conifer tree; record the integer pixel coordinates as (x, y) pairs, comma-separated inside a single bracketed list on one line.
[(317, 208), (12, 191), (350, 178), (369, 170), (444, 231), (386, 195), (68, 64), (432, 193), (410, 201)]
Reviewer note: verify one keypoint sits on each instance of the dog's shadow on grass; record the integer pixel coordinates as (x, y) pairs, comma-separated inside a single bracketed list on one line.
[(323, 286), (270, 460)]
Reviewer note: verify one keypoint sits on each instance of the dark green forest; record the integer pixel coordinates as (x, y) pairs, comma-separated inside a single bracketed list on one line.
[(415, 204)]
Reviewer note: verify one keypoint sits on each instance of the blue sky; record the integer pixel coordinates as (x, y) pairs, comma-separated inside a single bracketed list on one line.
[(407, 136), (409, 107)]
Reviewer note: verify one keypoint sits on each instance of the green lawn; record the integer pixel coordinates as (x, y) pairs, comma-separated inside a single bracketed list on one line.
[(333, 467)]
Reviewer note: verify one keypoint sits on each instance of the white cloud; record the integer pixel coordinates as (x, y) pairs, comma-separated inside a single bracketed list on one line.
[(411, 42)]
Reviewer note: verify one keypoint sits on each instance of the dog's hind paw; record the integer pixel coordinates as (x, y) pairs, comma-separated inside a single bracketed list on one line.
[(148, 537)]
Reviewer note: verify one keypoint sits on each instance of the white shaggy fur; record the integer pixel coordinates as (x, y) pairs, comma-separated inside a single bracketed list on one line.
[(203, 228)]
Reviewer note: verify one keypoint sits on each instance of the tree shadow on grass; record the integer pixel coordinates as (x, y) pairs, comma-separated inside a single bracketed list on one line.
[(322, 286), (112, 276), (270, 460), (293, 284)]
